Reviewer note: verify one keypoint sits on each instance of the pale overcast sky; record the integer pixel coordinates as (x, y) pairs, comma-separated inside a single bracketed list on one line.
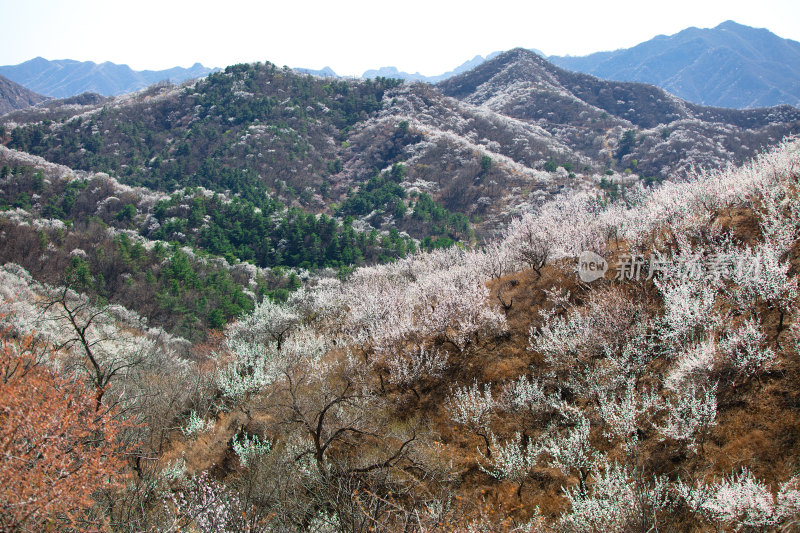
[(352, 36)]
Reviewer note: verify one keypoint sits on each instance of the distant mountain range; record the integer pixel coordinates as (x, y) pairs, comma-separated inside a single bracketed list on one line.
[(326, 72), (392, 72), (15, 96), (729, 66), (488, 142), (65, 77)]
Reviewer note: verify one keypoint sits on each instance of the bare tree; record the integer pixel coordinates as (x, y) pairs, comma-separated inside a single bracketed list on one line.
[(88, 331)]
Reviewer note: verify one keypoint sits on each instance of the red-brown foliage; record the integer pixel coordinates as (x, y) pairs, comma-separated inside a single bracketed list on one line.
[(56, 450)]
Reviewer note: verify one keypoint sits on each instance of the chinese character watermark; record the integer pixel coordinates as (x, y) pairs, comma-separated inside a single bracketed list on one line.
[(629, 267)]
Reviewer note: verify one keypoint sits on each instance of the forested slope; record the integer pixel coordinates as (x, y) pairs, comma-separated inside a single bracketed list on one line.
[(484, 390)]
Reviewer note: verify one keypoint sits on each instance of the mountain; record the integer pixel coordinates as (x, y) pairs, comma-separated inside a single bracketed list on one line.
[(585, 112), (500, 375), (66, 77), (15, 96), (326, 72), (215, 281), (432, 163), (516, 81), (392, 72), (730, 65)]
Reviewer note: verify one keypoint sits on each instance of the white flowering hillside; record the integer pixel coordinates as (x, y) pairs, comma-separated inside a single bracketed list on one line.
[(617, 366), (495, 390)]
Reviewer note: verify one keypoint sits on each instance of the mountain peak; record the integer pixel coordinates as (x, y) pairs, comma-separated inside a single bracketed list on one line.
[(728, 24), (732, 25), (515, 65), (730, 65), (518, 53)]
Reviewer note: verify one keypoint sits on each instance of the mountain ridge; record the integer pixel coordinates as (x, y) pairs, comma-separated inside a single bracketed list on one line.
[(393, 72), (68, 77), (521, 65), (522, 85), (14, 96), (730, 65), (489, 142)]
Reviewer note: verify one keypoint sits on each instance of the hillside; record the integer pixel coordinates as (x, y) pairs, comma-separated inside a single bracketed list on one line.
[(189, 261), (14, 96), (730, 65), (66, 77), (521, 300), (663, 134), (233, 134), (398, 158), (459, 390), (310, 142)]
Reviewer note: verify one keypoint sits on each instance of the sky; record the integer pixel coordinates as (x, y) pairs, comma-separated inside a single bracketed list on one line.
[(351, 36)]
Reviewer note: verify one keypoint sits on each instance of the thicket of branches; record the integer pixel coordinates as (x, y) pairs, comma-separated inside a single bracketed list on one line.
[(485, 390)]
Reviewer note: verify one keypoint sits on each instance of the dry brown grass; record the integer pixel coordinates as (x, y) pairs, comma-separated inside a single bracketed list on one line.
[(758, 423)]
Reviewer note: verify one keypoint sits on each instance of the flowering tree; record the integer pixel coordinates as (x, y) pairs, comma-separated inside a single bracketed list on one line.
[(763, 276), (89, 333), (525, 395), (688, 310), (209, 506), (512, 460), (471, 407), (573, 453), (452, 305), (529, 241), (497, 259), (743, 502), (625, 414), (618, 501), (587, 347), (692, 365), (561, 339), (691, 415), (408, 366), (250, 365), (745, 351), (569, 451), (268, 322)]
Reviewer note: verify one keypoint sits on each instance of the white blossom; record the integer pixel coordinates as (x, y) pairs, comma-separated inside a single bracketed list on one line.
[(745, 351), (616, 501), (511, 460), (471, 406), (526, 395), (688, 309), (196, 424), (691, 414), (249, 448), (573, 452), (409, 366), (742, 501), (692, 365)]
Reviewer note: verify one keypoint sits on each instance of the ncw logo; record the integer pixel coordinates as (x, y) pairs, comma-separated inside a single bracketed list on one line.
[(591, 266)]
